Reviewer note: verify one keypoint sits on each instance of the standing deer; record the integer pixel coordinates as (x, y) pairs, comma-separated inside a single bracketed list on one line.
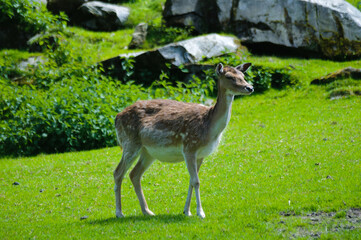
[(173, 131)]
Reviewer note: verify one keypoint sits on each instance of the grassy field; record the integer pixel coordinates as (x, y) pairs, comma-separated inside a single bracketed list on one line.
[(285, 157), (288, 166)]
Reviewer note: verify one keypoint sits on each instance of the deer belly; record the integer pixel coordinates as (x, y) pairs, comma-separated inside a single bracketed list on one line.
[(166, 154)]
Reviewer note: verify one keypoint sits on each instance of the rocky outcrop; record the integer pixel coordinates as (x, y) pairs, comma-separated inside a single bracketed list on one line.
[(329, 27), (99, 16), (31, 62), (200, 14), (139, 36), (149, 65), (344, 73)]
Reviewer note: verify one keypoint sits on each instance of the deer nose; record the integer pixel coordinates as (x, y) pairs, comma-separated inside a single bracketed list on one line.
[(249, 88)]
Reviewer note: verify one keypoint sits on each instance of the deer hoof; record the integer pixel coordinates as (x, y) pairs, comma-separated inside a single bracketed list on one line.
[(187, 213), (147, 212), (201, 214), (119, 214)]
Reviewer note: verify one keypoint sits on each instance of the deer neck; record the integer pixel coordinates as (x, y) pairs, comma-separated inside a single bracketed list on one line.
[(221, 112)]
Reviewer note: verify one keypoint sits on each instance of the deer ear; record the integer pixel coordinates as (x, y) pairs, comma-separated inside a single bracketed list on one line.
[(243, 67), (219, 69)]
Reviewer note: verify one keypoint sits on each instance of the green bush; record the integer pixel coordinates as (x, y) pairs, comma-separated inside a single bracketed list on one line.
[(159, 35), (74, 114), (22, 19), (70, 115), (264, 78)]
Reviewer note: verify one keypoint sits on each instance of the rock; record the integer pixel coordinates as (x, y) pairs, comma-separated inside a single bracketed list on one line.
[(224, 13), (139, 36), (31, 62), (331, 28), (99, 16), (344, 73), (195, 49), (201, 14), (16, 183), (84, 217), (67, 6), (149, 65)]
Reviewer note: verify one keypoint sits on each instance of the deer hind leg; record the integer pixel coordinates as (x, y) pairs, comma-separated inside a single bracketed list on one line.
[(193, 166), (128, 157), (136, 174)]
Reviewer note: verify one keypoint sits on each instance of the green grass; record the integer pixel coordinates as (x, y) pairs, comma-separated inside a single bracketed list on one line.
[(99, 45), (275, 157), (14, 56), (149, 11)]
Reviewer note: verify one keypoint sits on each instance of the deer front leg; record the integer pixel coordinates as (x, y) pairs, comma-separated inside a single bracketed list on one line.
[(187, 207), (193, 168)]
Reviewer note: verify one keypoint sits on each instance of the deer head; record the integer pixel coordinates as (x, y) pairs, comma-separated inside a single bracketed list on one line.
[(231, 79)]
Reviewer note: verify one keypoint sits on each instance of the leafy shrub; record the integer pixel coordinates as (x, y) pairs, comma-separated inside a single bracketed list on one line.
[(73, 114), (21, 19), (264, 78), (196, 90), (159, 34)]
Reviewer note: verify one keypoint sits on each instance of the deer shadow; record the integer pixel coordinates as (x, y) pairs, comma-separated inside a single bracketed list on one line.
[(166, 218)]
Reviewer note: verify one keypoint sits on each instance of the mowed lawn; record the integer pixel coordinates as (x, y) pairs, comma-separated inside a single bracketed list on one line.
[(285, 156)]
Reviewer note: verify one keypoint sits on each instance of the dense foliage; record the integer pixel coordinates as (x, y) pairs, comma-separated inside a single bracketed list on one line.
[(72, 114), (159, 34), (24, 19)]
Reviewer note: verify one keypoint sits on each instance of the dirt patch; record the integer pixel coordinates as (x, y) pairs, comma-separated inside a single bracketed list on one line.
[(314, 224)]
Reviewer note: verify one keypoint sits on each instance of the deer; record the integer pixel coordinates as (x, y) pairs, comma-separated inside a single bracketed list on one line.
[(173, 131)]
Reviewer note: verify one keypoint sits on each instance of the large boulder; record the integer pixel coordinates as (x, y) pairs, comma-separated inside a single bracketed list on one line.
[(99, 16), (329, 27), (149, 65), (67, 6), (200, 14)]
